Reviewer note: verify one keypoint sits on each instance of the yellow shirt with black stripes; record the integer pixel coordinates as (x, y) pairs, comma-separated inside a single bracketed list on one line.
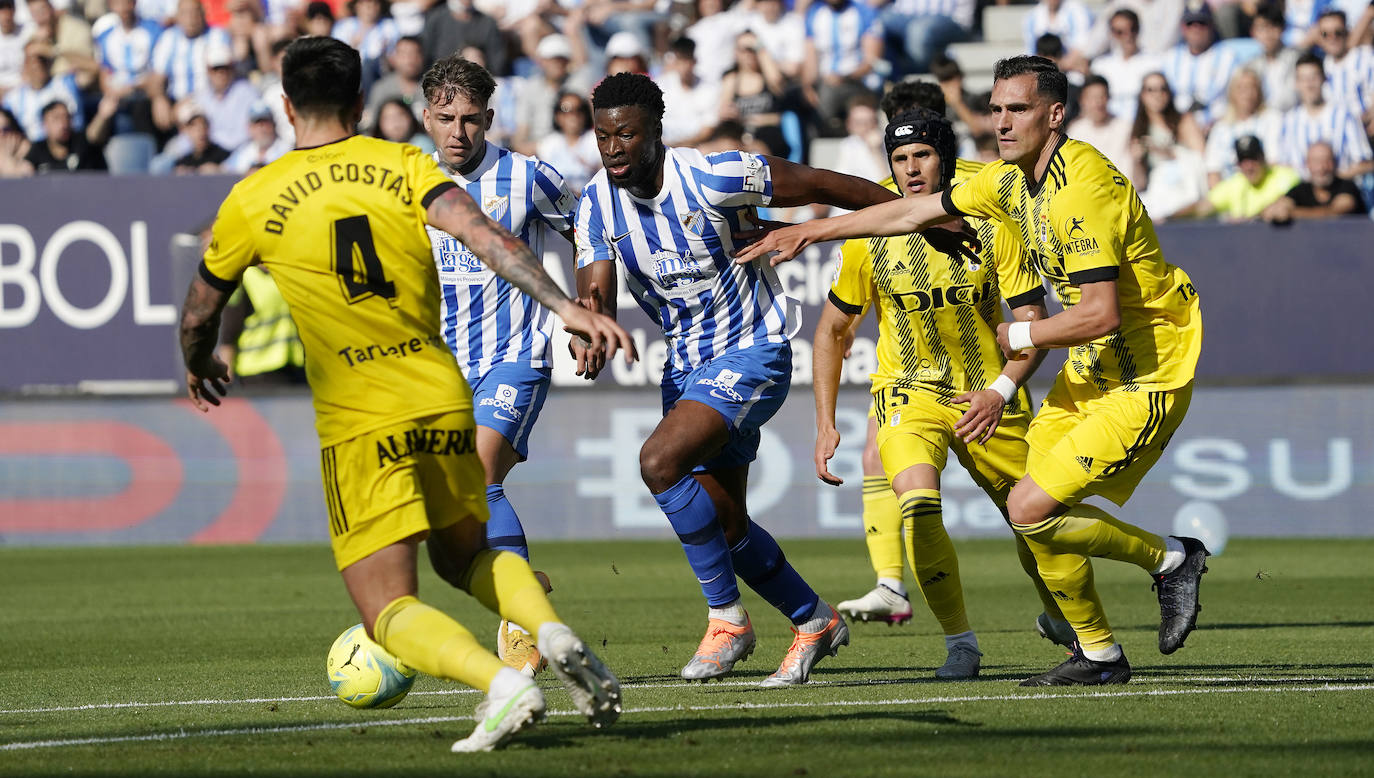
[(342, 229), (1081, 223)]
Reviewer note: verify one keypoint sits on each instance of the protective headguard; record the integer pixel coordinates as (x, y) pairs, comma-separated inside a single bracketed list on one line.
[(922, 125)]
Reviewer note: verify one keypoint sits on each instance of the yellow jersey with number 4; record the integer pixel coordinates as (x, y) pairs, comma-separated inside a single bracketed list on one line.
[(1083, 222), (342, 229)]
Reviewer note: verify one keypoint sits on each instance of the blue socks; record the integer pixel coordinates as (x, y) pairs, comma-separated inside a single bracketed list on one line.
[(504, 532), (762, 565), (693, 517)]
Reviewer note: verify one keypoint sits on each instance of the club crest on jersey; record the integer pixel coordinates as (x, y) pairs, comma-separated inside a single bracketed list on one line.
[(496, 206), (1043, 229), (454, 257), (675, 271), (723, 385), (694, 222)]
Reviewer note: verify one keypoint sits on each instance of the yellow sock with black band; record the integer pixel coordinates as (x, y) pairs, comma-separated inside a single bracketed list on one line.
[(882, 527), (433, 643), (1032, 568), (933, 559), (1092, 532), (1068, 577), (505, 584)]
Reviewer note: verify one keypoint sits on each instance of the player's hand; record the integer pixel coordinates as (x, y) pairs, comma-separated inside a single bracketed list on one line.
[(200, 380), (827, 440), (982, 417), (590, 361), (599, 330), (956, 239), (1005, 344), (774, 243)]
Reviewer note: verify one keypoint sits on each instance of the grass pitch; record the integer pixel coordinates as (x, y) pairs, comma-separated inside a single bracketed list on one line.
[(210, 661)]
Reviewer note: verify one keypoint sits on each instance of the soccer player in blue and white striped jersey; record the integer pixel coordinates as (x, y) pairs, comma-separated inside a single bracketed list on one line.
[(498, 334), (668, 217), (179, 57)]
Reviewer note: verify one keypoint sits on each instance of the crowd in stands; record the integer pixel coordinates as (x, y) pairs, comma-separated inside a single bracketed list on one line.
[(1234, 108)]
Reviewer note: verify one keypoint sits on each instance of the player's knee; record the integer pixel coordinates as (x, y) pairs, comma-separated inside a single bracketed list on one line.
[(658, 469), (1021, 510)]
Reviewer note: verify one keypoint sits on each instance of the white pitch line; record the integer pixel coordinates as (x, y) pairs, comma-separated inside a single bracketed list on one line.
[(1137, 681), (1030, 697)]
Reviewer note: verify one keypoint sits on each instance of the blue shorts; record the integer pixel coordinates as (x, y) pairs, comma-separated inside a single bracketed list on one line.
[(508, 399), (746, 387)]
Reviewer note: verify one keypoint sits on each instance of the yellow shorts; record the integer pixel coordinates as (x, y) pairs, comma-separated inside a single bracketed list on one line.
[(1085, 441), (916, 429), (385, 486)]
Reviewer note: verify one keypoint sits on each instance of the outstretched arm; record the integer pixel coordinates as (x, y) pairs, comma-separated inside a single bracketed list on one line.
[(200, 316), (895, 217), (457, 214), (795, 184)]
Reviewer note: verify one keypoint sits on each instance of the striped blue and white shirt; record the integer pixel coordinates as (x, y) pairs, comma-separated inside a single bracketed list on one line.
[(1200, 81), (1333, 123), (1300, 15), (127, 54), (961, 11), (26, 103), (838, 35), (181, 60), (676, 250), (1351, 79), (486, 319), (1072, 23), (376, 43), (1221, 140)]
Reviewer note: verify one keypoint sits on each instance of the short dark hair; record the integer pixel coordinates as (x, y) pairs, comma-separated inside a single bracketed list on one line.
[(1309, 58), (322, 76), (1272, 13), (1049, 80), (1096, 80), (1329, 12), (452, 76), (52, 105), (906, 95), (582, 107), (625, 89), (944, 68), (684, 47), (319, 8), (1130, 16), (1049, 45)]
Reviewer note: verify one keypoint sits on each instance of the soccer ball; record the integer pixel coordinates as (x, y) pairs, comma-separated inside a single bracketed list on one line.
[(363, 674)]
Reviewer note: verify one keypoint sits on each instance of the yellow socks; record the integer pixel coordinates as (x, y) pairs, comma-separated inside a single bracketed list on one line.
[(1032, 568), (431, 642), (505, 584), (1069, 579), (933, 559), (882, 527), (1091, 531)]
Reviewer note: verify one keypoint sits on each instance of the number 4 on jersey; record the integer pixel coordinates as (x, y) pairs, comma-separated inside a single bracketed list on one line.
[(356, 261)]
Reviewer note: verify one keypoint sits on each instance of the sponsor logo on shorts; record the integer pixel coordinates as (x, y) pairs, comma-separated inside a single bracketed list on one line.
[(430, 441), (504, 401), (723, 385)]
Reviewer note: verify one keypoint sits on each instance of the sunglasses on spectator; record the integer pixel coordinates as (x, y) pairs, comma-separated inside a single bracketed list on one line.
[(1335, 33)]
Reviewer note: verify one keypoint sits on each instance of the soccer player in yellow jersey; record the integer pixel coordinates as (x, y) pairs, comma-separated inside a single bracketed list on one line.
[(937, 349), (1134, 329), (340, 222)]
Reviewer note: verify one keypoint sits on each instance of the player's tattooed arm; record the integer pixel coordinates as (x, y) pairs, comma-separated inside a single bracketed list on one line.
[(206, 374)]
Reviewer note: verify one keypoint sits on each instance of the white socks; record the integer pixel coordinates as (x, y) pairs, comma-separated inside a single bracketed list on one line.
[(967, 638), (894, 584), (1173, 555), (733, 613), (818, 620), (1109, 654), (508, 681)]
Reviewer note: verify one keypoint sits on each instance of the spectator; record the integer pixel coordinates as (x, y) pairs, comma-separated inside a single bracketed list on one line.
[(1315, 119), (205, 156), (1125, 66), (258, 338), (396, 123), (13, 147), (625, 53), (69, 37), (536, 98), (961, 107), (66, 150), (371, 31), (263, 146), (752, 94), (248, 35), (1276, 63), (124, 45), (1070, 20), (778, 31), (270, 85), (844, 45), (1349, 69), (1051, 48), (1245, 114), (730, 135), (1096, 125), (38, 88), (1166, 151), (407, 62), (717, 21), (601, 21), (1300, 22), (180, 60), (918, 30), (1247, 193), (319, 19), (861, 152), (458, 25), (226, 99), (1157, 32), (12, 40), (1324, 195), (692, 106), (571, 148), (1198, 70)]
